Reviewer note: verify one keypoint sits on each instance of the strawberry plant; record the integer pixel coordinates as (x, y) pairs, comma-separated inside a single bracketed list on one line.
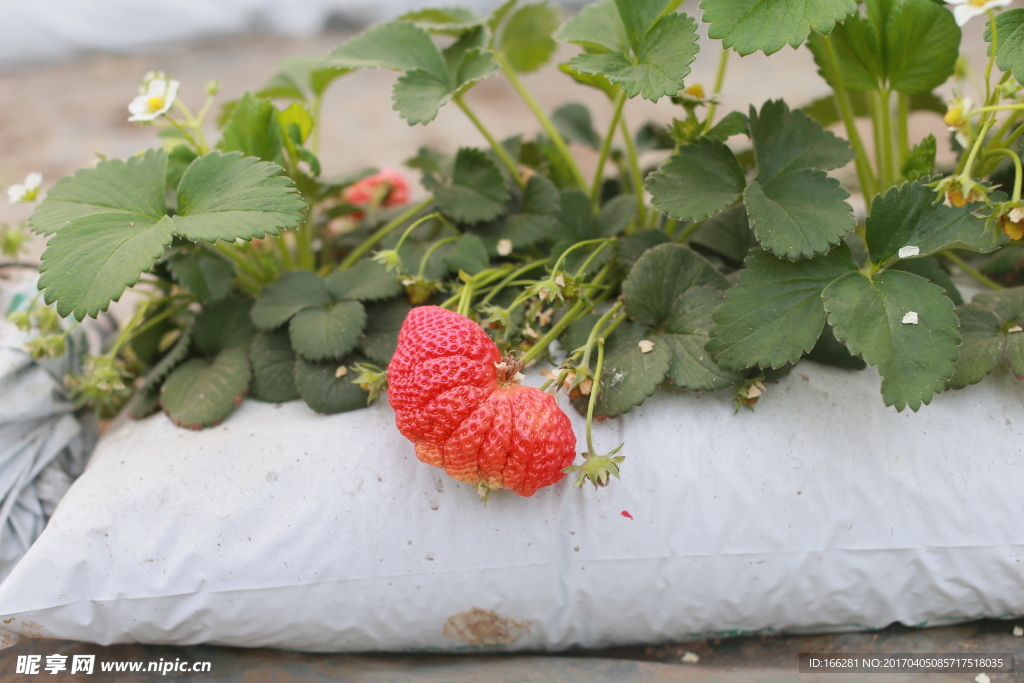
[(736, 256)]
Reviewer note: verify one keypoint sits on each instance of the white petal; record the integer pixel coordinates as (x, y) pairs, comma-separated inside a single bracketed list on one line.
[(907, 252), (1016, 214), (964, 13), (910, 318), (690, 658), (956, 2), (139, 109), (16, 193), (172, 93)]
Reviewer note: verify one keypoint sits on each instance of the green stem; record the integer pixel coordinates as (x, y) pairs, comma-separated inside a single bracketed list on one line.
[(511, 278), (998, 107), (232, 255), (304, 245), (903, 114), (885, 109), (314, 142), (430, 252), (969, 163), (1020, 173), (545, 122), (876, 127), (688, 231), (992, 55), (638, 181), (383, 232), (594, 390), (584, 243), (286, 253), (582, 270), (963, 265), (578, 309), (867, 182), (606, 146), (495, 145), (598, 331), (723, 61), (126, 331), (156, 319)]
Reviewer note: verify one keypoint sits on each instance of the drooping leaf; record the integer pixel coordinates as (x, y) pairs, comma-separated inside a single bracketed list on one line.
[(399, 46), (365, 281), (774, 314), (327, 332), (698, 181), (201, 393), (324, 390), (253, 130), (476, 190), (787, 141), (527, 39), (1010, 42), (685, 332), (574, 123), (660, 277), (767, 25), (174, 355), (596, 81), (630, 375), (383, 322), (209, 276), (915, 360), (224, 325), (907, 215), (296, 290), (229, 197), (273, 367), (468, 254), (922, 41)]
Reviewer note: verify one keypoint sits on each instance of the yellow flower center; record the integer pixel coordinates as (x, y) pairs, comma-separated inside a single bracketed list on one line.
[(977, 3), (954, 116), (696, 90), (154, 104)]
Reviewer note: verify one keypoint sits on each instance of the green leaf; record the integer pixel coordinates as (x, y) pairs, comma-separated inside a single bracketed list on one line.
[(831, 351), (294, 292), (178, 161), (915, 360), (922, 41), (476, 191), (596, 81), (698, 181), (786, 141), (825, 112), (224, 325), (273, 368), (662, 60), (383, 322), (300, 78), (228, 197), (629, 375), (130, 189), (1010, 39), (799, 213), (143, 404), (920, 162), (532, 217), (575, 125), (774, 314), (615, 216), (731, 124), (201, 393), (751, 25), (174, 355), (446, 21), (399, 46), (685, 333), (991, 329), (929, 269), (907, 215), (92, 259), (660, 277), (640, 16), (727, 235), (365, 281), (527, 40), (857, 52), (469, 254), (253, 130), (327, 332), (324, 391), (209, 276), (631, 247), (598, 29)]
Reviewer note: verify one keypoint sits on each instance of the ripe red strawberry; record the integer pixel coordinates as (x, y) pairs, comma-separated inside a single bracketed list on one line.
[(460, 402)]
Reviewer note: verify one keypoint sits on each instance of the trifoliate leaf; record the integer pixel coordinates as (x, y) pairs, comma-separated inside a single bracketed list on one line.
[(698, 181), (300, 78), (991, 330), (295, 291), (327, 332), (787, 141), (929, 269), (229, 197), (920, 162), (726, 235), (660, 277), (224, 325), (201, 393), (92, 259), (469, 254), (533, 216), (629, 374), (476, 191), (574, 123), (365, 281), (383, 322), (131, 189), (907, 215), (915, 360), (1010, 42), (399, 46), (325, 391), (527, 41), (799, 213), (774, 314), (174, 355), (253, 130), (207, 275), (685, 332), (273, 367), (922, 42), (751, 25)]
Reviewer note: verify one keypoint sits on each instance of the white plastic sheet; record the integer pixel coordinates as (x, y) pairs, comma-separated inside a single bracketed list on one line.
[(820, 510)]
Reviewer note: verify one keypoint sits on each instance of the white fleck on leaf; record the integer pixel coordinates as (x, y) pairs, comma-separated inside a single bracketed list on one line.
[(646, 345), (504, 247), (982, 678), (341, 371), (1015, 328), (1018, 631), (690, 658), (910, 318), (907, 252)]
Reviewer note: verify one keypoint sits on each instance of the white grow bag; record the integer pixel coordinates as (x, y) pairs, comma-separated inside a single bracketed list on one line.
[(821, 510)]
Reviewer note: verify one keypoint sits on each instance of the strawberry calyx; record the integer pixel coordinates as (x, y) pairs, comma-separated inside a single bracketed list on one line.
[(597, 469), (509, 372)]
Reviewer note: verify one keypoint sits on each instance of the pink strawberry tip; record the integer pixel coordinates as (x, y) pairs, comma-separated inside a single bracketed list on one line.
[(509, 372), (597, 469)]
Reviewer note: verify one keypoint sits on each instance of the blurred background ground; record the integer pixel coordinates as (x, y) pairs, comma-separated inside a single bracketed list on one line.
[(57, 114)]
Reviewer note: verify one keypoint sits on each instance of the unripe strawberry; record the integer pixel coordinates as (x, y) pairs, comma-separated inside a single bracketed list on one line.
[(461, 404)]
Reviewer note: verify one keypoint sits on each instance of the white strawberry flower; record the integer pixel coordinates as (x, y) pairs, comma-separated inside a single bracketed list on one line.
[(957, 118), (156, 95), (966, 10), (27, 191)]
